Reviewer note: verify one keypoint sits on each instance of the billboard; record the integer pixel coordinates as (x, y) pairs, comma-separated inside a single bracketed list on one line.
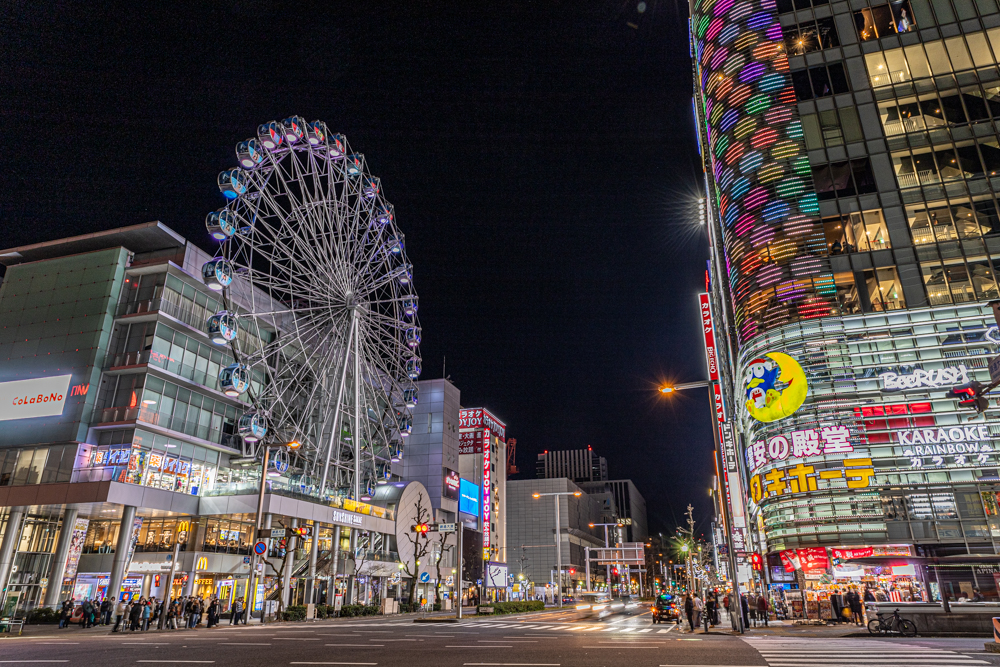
[(468, 497), (470, 443), (451, 484), (481, 418), (709, 331), (37, 397), (496, 575)]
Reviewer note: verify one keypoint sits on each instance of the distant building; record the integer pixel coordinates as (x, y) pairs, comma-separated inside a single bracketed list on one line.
[(630, 504), (431, 456), (579, 465), (531, 548)]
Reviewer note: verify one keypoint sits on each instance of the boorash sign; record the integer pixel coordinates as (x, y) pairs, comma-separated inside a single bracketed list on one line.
[(921, 379), (37, 397)]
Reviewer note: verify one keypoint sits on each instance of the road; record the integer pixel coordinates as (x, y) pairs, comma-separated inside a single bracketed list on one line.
[(551, 639)]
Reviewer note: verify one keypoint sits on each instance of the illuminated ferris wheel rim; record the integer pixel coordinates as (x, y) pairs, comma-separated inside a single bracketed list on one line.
[(312, 257)]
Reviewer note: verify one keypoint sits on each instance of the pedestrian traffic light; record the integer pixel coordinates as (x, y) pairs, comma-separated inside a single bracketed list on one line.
[(420, 528), (757, 562), (969, 395), (282, 546)]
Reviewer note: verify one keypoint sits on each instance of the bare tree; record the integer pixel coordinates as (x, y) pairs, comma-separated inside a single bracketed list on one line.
[(421, 544), (444, 549)]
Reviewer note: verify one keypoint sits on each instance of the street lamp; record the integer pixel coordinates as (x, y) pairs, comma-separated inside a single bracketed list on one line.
[(671, 388), (556, 495)]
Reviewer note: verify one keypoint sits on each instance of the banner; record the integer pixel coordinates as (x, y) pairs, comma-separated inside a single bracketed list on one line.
[(708, 328), (75, 547), (814, 560)]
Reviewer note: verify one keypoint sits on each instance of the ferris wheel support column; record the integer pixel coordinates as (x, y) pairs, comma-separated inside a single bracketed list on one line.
[(340, 398), (357, 410)]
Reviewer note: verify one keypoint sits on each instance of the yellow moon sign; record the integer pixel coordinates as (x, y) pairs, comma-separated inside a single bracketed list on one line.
[(775, 387)]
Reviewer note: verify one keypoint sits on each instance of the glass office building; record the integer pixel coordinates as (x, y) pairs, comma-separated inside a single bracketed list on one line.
[(117, 443), (852, 164)]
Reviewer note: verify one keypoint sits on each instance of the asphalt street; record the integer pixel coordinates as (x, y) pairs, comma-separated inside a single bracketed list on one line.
[(551, 639)]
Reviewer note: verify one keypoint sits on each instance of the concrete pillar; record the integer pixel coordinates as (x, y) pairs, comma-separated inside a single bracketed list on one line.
[(121, 553), (311, 587), (8, 547), (349, 591), (335, 564), (58, 566), (286, 576)]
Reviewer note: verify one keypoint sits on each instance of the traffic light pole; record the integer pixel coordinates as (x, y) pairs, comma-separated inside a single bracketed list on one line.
[(258, 525), (461, 560)]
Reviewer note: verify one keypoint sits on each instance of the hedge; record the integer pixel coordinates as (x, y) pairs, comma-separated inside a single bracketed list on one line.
[(515, 607), (296, 612), (43, 615), (359, 610)]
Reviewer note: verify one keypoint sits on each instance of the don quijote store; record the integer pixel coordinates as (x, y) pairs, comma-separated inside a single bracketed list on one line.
[(862, 471)]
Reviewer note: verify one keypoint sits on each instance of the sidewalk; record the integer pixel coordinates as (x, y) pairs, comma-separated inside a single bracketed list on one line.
[(53, 630)]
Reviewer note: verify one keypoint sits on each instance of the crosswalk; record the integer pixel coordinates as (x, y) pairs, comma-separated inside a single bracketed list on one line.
[(576, 628), (814, 652)]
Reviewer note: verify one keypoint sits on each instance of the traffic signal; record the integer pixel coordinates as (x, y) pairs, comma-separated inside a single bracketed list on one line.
[(968, 395), (757, 562), (282, 546), (302, 531), (420, 528)]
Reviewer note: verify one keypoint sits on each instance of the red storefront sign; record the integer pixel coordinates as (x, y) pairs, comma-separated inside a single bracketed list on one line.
[(709, 330)]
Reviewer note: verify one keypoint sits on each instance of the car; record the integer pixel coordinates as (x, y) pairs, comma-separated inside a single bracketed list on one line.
[(568, 599), (593, 602), (666, 609)]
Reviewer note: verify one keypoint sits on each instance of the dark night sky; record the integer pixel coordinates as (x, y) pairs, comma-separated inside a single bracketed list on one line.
[(540, 155)]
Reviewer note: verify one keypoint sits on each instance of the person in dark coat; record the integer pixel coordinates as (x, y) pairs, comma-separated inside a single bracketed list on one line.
[(711, 609), (745, 609), (135, 616), (762, 608), (213, 613), (854, 602), (689, 610)]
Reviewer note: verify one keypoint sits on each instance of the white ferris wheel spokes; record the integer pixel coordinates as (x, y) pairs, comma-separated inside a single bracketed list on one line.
[(321, 313)]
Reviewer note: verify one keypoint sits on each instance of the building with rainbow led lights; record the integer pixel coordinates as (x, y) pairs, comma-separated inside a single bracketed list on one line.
[(851, 153)]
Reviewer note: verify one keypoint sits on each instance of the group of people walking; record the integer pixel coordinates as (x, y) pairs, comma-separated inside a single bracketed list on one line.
[(139, 614), (700, 611)]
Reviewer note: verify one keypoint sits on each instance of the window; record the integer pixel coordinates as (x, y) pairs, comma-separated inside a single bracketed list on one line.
[(821, 81), (884, 20), (856, 232), (884, 291), (810, 36), (843, 178)]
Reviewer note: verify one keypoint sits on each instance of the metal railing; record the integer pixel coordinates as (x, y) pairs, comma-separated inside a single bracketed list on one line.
[(148, 416)]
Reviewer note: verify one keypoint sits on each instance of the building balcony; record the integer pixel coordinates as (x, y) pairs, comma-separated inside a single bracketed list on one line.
[(145, 415), (192, 317)]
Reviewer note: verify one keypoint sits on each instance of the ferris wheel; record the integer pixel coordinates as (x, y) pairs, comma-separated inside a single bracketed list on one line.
[(320, 310)]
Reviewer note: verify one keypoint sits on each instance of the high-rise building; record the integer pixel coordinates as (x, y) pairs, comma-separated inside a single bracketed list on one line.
[(531, 543), (851, 156), (630, 507), (579, 465)]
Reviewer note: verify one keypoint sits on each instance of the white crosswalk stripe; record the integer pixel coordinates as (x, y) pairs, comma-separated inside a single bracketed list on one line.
[(790, 652)]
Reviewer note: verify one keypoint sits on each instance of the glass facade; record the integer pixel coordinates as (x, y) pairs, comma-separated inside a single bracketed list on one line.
[(851, 155)]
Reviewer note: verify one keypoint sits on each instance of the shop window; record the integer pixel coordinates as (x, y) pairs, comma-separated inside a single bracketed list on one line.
[(821, 81), (843, 178), (856, 232)]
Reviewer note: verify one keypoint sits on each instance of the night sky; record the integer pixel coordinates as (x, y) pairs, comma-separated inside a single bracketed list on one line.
[(541, 158)]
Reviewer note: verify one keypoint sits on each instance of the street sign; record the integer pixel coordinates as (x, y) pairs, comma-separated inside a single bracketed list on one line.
[(260, 548), (447, 527), (277, 532), (246, 560), (995, 368), (425, 577)]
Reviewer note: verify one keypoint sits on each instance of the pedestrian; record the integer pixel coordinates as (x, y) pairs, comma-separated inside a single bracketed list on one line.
[(105, 611), (213, 613), (188, 605), (171, 612), (977, 595), (135, 616), (146, 615), (199, 610), (762, 608), (119, 612), (689, 611), (234, 618), (699, 609), (711, 611), (854, 603), (745, 610)]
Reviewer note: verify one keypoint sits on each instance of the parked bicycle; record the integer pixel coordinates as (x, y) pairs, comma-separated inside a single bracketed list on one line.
[(892, 624)]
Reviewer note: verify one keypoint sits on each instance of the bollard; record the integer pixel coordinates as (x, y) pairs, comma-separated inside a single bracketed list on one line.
[(994, 646)]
